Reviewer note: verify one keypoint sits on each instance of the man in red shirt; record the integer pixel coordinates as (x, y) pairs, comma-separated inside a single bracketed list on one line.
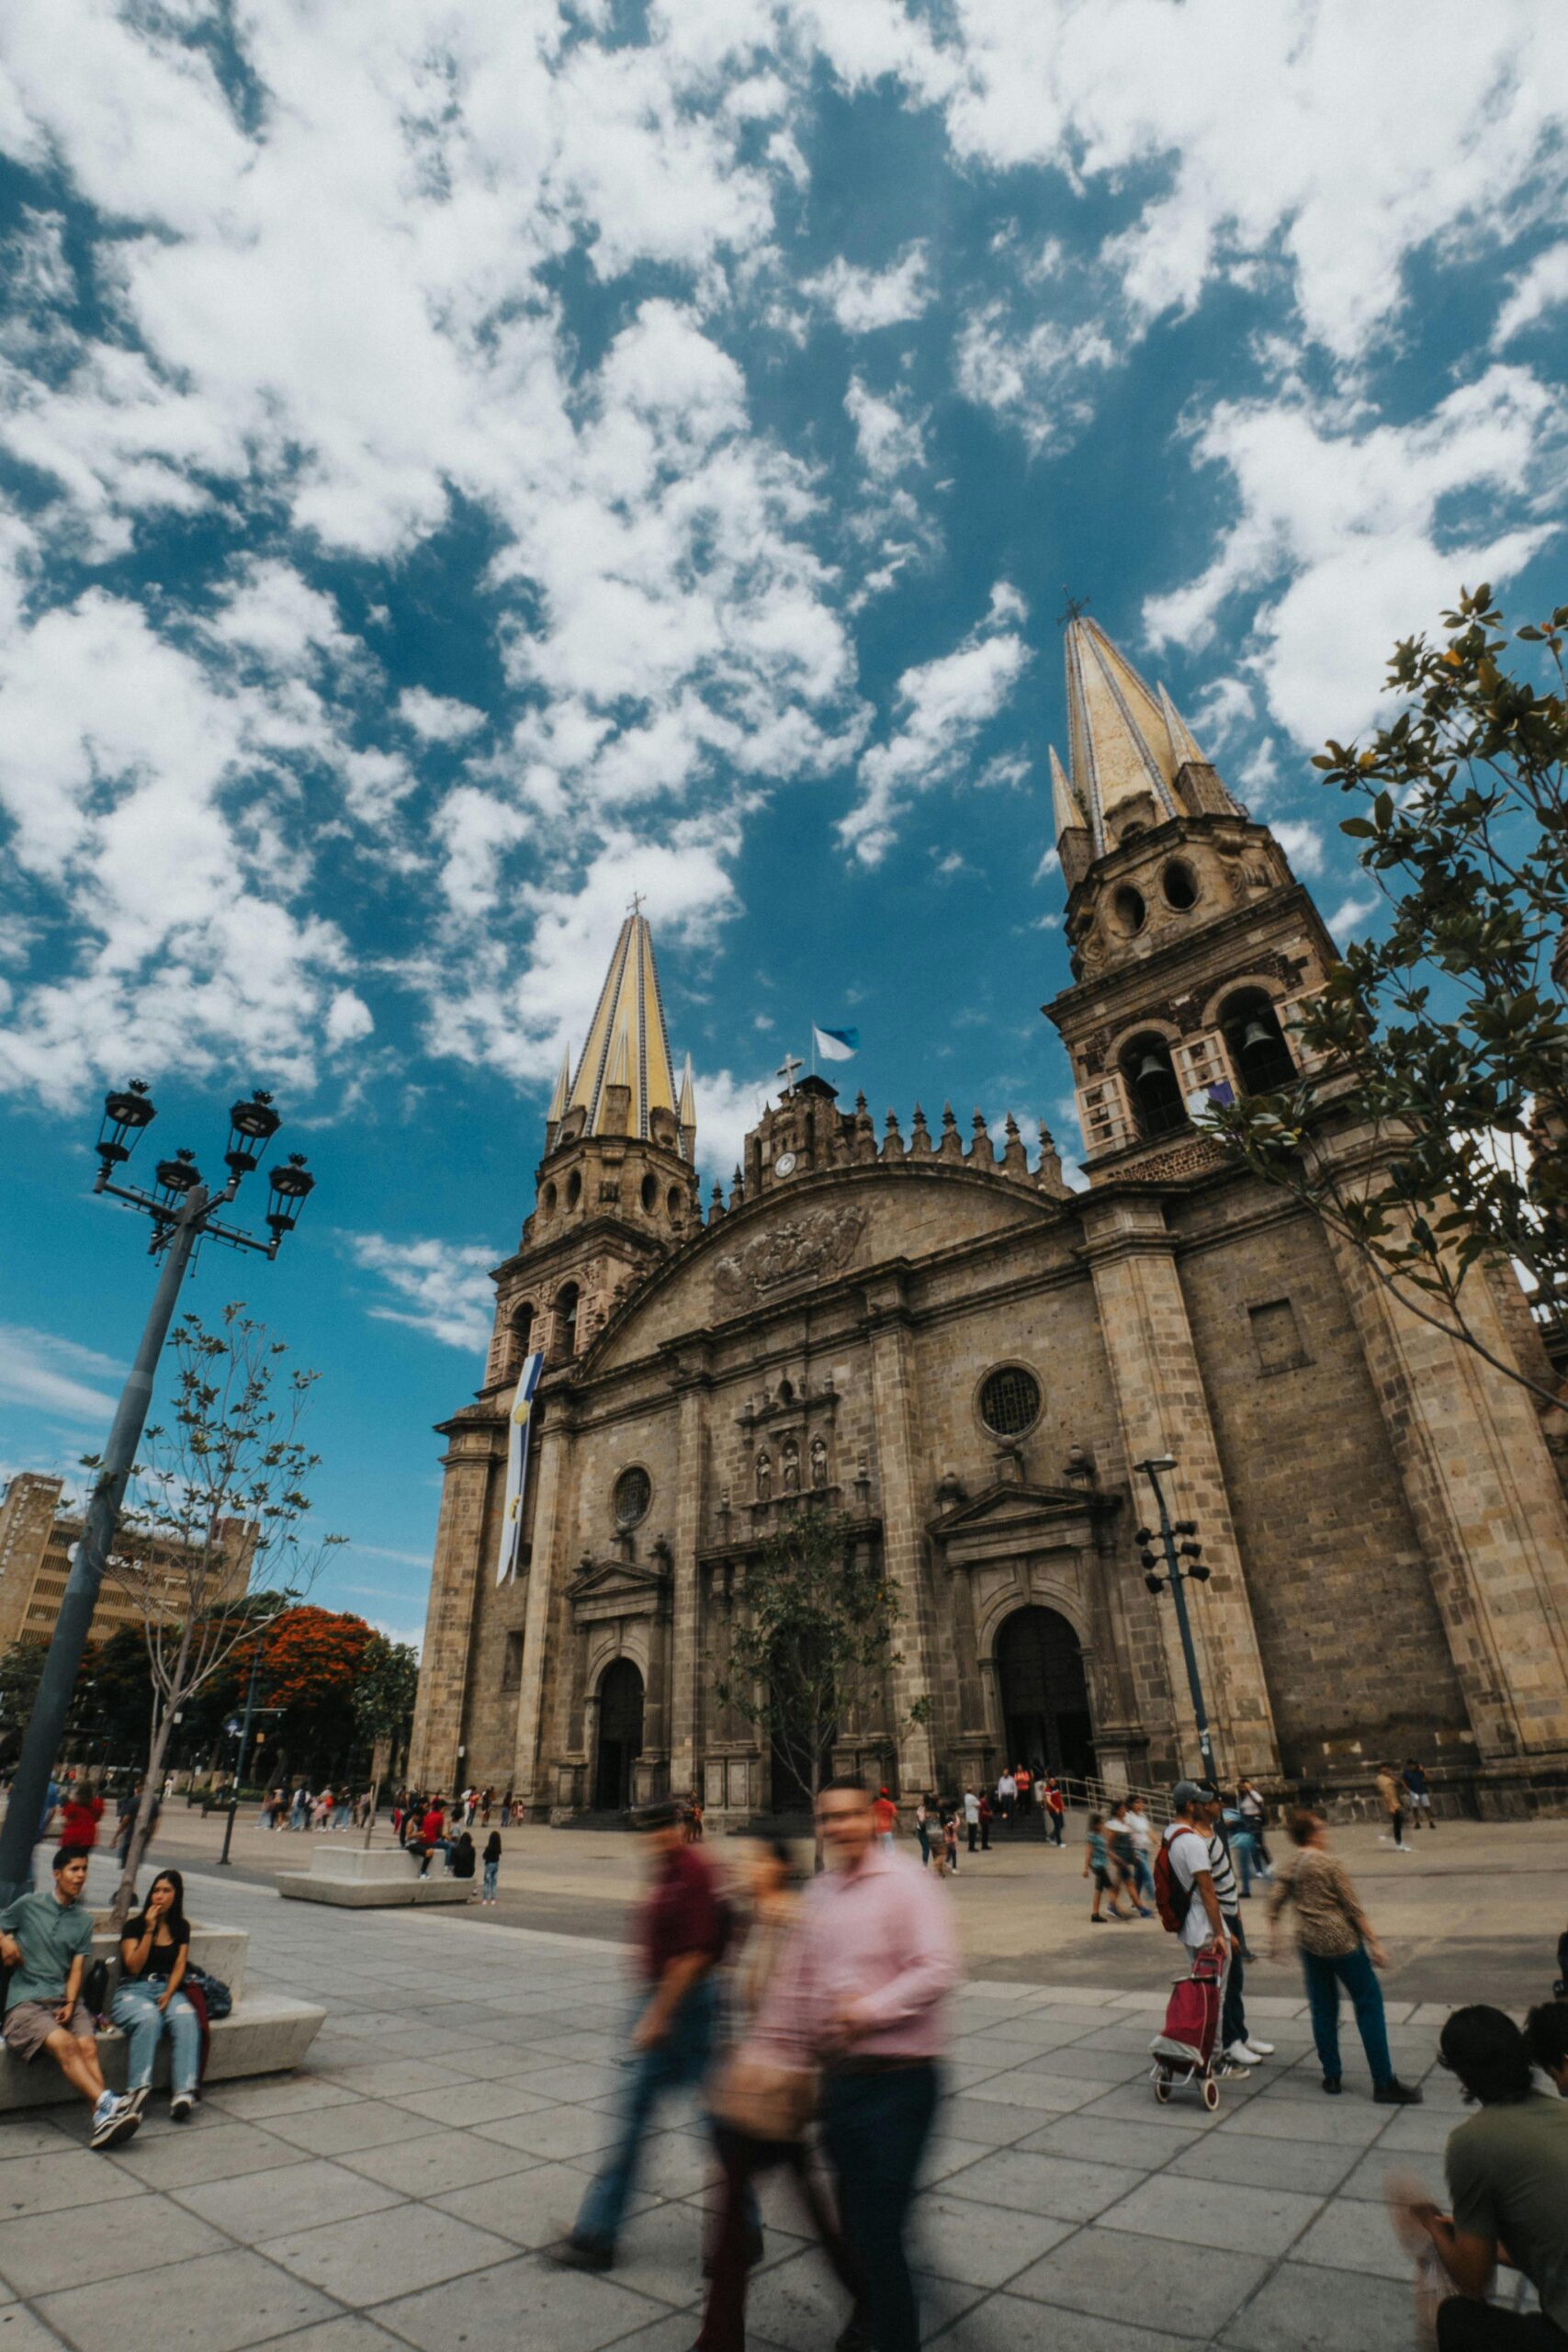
[(885, 1812), (80, 1814), (681, 1934)]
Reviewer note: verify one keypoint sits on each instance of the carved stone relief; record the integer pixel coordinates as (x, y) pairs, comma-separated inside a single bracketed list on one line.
[(813, 1246)]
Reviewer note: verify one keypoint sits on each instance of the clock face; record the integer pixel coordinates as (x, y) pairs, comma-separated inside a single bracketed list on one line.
[(785, 1164)]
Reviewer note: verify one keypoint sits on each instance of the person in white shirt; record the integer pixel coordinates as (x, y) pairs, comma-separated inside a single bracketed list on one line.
[(1240, 2047), (1007, 1797), (972, 1818), (1142, 1832), (1201, 1867)]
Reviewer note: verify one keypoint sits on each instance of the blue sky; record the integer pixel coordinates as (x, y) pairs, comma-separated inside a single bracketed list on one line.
[(463, 464)]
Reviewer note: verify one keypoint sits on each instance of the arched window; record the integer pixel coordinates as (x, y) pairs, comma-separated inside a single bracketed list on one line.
[(650, 1193), (1151, 1081), (573, 1189), (1258, 1053), (566, 1321), (676, 1205), (522, 1334)]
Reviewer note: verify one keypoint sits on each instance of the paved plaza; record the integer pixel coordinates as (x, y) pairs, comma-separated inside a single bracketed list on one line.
[(398, 2191)]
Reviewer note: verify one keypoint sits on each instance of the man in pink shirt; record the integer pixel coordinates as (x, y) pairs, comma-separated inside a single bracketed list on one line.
[(880, 1960)]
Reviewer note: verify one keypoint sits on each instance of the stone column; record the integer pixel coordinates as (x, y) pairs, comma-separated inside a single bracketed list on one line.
[(1163, 1410), (903, 1535), (476, 1452), (1488, 1507), (547, 1571), (690, 1379)]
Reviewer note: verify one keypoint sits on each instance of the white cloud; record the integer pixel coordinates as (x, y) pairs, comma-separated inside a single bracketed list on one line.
[(1351, 916), (1537, 290), (442, 1288), (942, 706), (864, 299), (1344, 525), (1322, 143), (889, 439), (1301, 842), (437, 717), (54, 1375), (1039, 375)]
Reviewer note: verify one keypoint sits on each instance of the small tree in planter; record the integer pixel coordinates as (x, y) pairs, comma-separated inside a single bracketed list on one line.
[(814, 1641), (383, 1707), (218, 1514)]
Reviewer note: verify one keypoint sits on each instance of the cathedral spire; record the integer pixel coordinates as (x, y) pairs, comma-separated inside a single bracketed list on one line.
[(1066, 806), (1183, 748), (1119, 741), (686, 1112), (626, 1043), (558, 1100)]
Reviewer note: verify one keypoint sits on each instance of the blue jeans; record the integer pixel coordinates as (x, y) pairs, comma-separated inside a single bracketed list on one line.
[(1355, 1971), (679, 2061), (492, 1873), (874, 2127), (137, 2014)]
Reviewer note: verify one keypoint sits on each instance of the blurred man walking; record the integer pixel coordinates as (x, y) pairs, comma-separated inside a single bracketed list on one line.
[(880, 1959)]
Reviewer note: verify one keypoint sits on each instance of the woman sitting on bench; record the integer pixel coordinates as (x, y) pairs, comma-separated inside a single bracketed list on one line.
[(154, 1950)]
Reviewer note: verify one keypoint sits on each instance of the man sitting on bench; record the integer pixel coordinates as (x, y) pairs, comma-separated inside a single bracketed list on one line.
[(45, 1940)]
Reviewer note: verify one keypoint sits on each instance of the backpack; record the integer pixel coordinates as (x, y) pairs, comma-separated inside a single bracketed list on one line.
[(1172, 1900)]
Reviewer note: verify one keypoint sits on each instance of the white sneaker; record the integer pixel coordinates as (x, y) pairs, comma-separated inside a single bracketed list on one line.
[(120, 2120), (1239, 2055), (1260, 2049)]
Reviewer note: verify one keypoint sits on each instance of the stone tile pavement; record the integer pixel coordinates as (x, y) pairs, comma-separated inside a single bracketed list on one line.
[(397, 2192)]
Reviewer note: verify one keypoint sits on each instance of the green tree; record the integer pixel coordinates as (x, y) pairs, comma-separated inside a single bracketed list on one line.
[(813, 1644), (22, 1668), (1445, 1039), (384, 1695), (219, 1508)]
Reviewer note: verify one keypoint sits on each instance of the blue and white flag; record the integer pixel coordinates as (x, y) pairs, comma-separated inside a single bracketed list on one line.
[(835, 1045), (517, 1465)]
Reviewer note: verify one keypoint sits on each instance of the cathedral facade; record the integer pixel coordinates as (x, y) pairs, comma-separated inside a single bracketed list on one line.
[(970, 1360)]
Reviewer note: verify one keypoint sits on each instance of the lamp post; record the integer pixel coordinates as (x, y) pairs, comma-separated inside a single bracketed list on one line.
[(183, 1213), (1179, 1564)]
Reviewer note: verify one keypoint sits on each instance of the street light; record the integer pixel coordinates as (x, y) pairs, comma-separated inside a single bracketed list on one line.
[(183, 1212), (1181, 1562)]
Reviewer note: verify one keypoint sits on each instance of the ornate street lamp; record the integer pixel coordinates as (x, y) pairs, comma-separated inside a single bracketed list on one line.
[(183, 1212)]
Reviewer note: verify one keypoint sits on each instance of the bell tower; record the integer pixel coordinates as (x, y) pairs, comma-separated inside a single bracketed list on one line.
[(1191, 942), (617, 1185)]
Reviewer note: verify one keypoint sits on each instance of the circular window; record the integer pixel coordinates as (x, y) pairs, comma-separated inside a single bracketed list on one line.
[(1129, 910), (1009, 1401), (634, 1492), (1181, 886)]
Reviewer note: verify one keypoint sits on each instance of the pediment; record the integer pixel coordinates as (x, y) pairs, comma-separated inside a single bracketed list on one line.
[(1008, 1504), (619, 1589)]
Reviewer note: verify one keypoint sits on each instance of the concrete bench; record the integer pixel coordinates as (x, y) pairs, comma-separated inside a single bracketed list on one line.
[(266, 2033), (361, 1879)]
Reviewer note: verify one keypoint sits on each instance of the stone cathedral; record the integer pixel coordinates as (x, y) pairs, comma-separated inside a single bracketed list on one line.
[(970, 1359)]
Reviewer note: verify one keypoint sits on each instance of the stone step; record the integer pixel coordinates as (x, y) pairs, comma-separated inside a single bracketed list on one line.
[(268, 2033)]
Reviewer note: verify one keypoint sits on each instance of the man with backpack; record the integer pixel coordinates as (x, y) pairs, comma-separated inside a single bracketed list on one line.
[(682, 1930), (1195, 1891)]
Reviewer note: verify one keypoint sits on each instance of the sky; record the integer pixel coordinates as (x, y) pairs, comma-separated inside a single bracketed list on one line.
[(462, 464)]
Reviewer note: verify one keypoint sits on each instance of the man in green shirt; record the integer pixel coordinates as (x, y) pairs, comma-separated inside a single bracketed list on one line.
[(45, 1940), (1507, 2170)]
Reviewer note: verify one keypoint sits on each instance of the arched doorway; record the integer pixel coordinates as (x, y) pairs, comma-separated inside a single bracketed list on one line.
[(1043, 1694), (620, 1735)]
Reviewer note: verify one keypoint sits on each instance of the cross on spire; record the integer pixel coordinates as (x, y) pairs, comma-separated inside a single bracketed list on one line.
[(788, 1069), (635, 903), (1076, 607)]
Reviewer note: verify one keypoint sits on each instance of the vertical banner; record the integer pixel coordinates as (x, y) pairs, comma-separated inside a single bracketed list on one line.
[(517, 1465)]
